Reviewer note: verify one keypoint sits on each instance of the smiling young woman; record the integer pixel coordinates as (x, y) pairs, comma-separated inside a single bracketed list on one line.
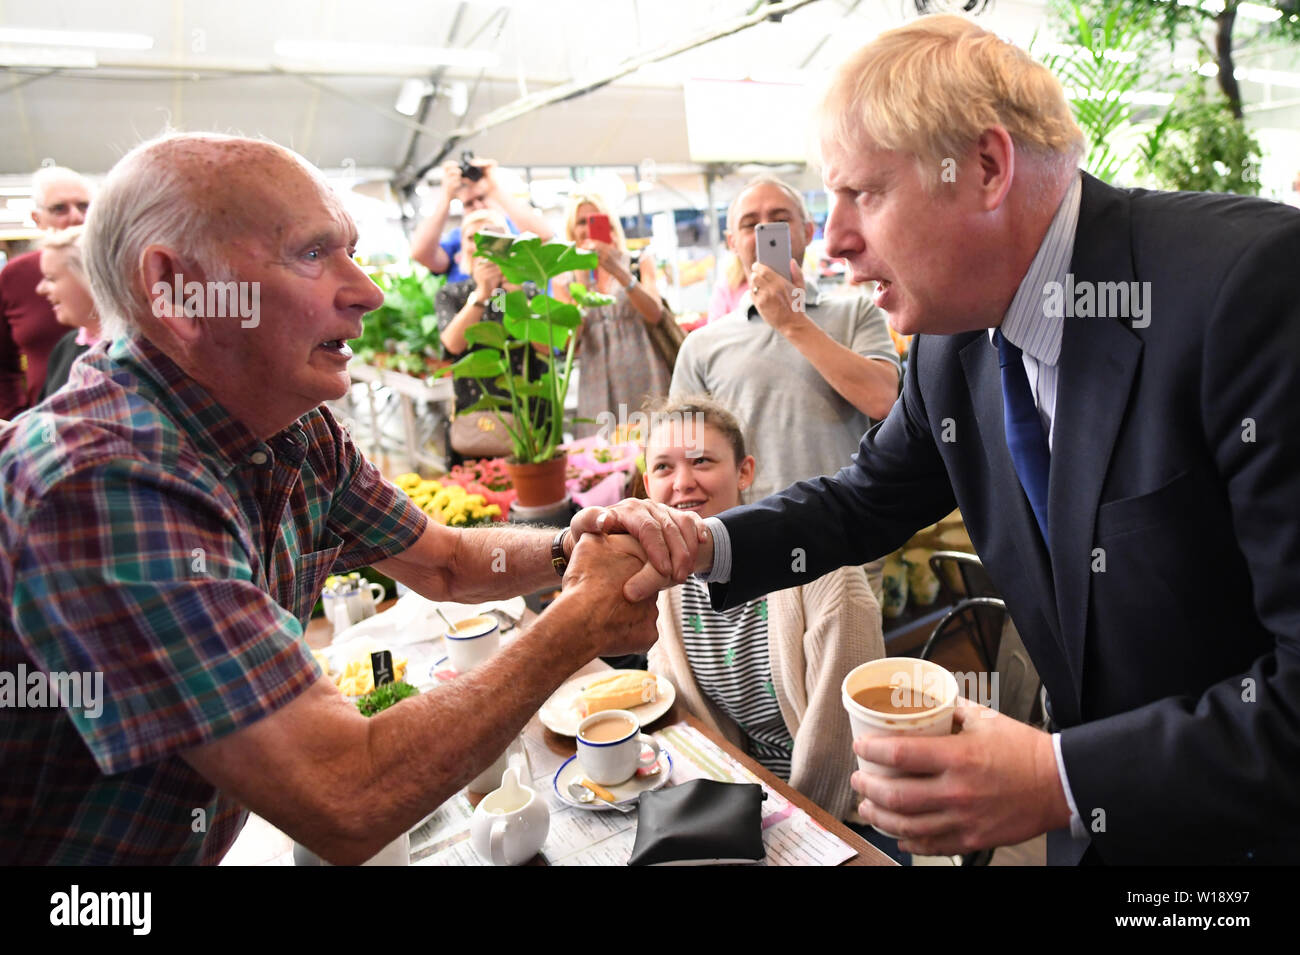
[(766, 674)]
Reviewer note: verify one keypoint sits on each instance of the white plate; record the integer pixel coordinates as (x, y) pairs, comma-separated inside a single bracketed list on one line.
[(623, 793), (559, 714)]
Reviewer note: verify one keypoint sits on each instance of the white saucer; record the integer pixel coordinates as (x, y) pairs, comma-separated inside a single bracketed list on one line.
[(623, 793), (559, 714)]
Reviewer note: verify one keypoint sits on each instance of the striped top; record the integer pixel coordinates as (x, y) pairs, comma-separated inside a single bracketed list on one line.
[(729, 656), (152, 540)]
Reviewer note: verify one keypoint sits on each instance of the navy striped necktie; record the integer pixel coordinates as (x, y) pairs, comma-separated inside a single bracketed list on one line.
[(1025, 438)]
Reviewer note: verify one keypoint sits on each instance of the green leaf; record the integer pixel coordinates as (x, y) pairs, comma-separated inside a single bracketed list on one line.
[(486, 333), (536, 331), (574, 261), (588, 299), (516, 305), (561, 313), (429, 324), (487, 403), (485, 363)]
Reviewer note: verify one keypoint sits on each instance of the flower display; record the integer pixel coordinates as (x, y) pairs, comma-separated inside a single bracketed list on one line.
[(449, 503)]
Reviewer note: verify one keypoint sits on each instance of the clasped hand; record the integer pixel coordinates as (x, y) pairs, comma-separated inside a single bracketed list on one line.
[(671, 540)]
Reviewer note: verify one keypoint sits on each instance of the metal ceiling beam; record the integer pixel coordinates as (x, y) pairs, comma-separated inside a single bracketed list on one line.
[(576, 88)]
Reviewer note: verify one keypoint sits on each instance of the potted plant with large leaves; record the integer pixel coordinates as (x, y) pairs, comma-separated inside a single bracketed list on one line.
[(545, 330)]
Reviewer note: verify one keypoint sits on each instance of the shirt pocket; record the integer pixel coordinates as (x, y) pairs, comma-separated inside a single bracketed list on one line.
[(310, 571)]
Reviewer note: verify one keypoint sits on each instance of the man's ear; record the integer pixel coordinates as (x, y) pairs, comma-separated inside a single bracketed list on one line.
[(731, 241), (995, 155), (164, 278), (809, 229)]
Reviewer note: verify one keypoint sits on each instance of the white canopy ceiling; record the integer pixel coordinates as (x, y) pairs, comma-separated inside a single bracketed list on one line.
[(216, 66)]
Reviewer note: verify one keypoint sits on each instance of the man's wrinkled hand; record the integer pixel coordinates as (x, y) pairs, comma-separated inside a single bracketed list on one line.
[(671, 539), (994, 783), (598, 573)]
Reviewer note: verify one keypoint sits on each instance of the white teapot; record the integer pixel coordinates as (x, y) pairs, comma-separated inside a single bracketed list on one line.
[(511, 823)]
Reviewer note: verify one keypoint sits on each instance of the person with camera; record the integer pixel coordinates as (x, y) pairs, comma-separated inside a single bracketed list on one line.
[(478, 184)]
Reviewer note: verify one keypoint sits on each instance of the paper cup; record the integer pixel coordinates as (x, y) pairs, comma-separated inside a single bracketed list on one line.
[(907, 677)]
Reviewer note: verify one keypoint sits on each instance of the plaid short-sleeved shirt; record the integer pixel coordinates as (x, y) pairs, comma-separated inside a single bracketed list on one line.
[(148, 536)]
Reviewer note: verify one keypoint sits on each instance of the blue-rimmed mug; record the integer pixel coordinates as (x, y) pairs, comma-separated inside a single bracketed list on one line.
[(472, 641), (611, 747)]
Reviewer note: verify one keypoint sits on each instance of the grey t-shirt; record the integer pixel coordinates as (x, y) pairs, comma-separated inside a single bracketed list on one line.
[(796, 425)]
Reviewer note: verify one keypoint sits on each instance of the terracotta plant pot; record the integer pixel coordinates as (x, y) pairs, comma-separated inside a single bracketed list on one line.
[(539, 484)]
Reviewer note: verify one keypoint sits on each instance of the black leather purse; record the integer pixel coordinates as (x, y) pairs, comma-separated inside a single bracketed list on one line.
[(701, 822)]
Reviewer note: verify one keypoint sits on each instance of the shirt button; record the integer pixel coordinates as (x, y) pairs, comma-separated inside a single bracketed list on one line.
[(258, 457)]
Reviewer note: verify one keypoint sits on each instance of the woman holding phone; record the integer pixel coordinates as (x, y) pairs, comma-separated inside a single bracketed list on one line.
[(619, 361)]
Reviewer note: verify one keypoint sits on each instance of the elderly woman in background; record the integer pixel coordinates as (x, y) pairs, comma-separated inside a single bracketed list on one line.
[(63, 282), (620, 364)]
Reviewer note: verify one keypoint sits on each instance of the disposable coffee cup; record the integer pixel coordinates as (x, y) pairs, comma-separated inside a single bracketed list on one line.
[(611, 747), (472, 641), (905, 686)]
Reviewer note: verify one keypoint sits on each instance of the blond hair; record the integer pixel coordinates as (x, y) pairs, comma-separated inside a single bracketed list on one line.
[(473, 222), (67, 241), (932, 87), (580, 199)]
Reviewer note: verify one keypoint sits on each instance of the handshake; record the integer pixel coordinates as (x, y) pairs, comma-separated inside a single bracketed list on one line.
[(620, 557)]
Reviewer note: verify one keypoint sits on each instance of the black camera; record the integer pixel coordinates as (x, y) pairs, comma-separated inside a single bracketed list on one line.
[(469, 170)]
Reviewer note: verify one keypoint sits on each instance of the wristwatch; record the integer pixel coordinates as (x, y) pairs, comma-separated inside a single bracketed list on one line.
[(558, 560)]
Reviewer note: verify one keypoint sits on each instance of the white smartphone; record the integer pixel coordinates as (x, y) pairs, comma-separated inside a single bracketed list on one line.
[(772, 245)]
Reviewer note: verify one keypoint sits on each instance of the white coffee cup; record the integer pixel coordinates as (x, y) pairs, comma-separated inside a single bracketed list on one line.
[(907, 677), (616, 760), (473, 641)]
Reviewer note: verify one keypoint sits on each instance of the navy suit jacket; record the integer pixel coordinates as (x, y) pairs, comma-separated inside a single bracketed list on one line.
[(1165, 621)]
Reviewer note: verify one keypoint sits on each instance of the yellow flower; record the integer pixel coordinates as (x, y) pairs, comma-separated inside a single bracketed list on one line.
[(492, 510), (408, 482)]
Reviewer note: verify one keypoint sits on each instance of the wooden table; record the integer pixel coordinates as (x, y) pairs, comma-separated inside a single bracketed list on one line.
[(320, 632)]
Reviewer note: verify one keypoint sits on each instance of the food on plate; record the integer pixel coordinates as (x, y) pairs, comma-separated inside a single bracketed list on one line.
[(358, 676), (618, 692), (381, 698)]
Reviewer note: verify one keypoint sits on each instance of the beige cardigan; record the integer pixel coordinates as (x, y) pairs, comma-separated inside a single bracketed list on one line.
[(816, 634)]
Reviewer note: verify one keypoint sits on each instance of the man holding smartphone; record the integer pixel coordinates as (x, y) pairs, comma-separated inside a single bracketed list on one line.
[(441, 256), (806, 373)]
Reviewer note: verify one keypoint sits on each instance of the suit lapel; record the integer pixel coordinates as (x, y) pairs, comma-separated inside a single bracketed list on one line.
[(1098, 366)]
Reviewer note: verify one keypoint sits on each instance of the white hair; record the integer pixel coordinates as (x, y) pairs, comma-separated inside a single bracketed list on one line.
[(765, 180), (146, 200), (47, 176)]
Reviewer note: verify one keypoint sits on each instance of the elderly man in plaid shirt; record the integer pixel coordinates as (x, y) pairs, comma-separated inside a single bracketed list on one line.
[(167, 522)]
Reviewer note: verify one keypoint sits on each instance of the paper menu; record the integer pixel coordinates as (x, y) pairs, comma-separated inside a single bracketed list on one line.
[(790, 835)]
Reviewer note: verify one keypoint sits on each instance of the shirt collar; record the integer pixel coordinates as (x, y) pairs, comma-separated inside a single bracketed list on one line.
[(1025, 325), (220, 437)]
